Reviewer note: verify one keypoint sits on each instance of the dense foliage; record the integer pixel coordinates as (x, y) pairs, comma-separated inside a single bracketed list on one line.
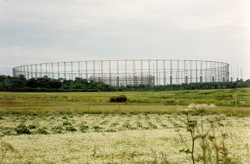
[(120, 98), (20, 83)]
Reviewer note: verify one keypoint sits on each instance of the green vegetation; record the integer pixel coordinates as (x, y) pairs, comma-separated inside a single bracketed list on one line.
[(21, 84), (205, 132), (150, 127), (22, 129), (119, 137), (46, 84), (120, 98), (137, 102)]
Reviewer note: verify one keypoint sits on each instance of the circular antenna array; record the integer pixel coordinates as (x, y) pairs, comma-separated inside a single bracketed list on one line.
[(131, 72)]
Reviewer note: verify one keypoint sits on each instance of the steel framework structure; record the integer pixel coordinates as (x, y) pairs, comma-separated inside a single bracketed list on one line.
[(131, 72)]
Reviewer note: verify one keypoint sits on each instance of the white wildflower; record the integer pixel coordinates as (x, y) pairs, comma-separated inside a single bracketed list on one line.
[(198, 107), (205, 106), (201, 120), (213, 118), (212, 106), (192, 105)]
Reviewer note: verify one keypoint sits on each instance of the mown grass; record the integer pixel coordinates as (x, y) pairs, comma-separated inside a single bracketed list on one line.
[(220, 97), (146, 102), (116, 109), (111, 138), (86, 127)]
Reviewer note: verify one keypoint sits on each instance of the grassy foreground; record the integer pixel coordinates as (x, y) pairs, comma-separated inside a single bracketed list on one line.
[(113, 138), (86, 128), (149, 102)]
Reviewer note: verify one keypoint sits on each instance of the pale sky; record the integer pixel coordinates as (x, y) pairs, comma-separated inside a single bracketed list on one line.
[(45, 31)]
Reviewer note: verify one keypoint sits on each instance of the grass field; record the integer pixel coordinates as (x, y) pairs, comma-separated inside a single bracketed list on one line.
[(86, 128)]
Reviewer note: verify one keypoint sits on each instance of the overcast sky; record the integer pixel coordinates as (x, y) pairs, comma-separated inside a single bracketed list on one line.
[(39, 31)]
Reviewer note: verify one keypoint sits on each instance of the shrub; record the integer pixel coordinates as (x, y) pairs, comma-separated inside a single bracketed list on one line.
[(120, 98), (32, 126), (22, 129), (57, 129), (84, 128), (70, 128), (114, 124), (42, 131), (65, 123), (151, 125), (97, 128)]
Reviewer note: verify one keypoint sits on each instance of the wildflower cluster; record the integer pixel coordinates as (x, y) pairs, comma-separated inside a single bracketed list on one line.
[(205, 131)]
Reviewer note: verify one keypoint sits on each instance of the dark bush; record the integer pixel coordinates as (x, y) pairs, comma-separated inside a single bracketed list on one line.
[(97, 128), (120, 98), (22, 129), (32, 126), (42, 131), (84, 128), (57, 129), (65, 123), (70, 128)]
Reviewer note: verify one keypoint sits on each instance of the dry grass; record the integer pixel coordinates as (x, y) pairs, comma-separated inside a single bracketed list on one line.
[(223, 97), (133, 143), (85, 128)]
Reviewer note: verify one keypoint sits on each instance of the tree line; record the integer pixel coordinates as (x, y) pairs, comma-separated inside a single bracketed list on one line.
[(46, 84)]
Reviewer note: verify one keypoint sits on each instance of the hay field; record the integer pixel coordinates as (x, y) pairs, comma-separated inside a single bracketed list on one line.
[(86, 128), (113, 138)]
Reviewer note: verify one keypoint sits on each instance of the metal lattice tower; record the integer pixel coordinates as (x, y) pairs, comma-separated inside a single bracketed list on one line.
[(131, 72)]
